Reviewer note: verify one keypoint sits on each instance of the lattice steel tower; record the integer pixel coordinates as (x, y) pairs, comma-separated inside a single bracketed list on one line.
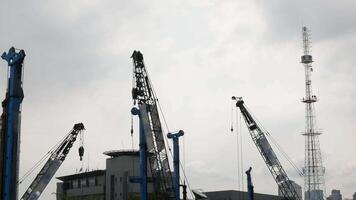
[(313, 167)]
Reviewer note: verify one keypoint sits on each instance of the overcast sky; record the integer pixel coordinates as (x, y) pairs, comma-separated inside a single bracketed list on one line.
[(199, 53)]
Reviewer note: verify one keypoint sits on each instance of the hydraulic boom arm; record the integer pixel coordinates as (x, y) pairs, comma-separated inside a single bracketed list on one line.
[(53, 163), (267, 153)]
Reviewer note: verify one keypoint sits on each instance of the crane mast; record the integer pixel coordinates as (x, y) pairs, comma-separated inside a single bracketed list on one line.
[(267, 153), (143, 95), (53, 163), (11, 125)]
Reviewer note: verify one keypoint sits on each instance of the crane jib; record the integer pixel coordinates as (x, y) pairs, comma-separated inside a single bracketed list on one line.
[(259, 138), (52, 165)]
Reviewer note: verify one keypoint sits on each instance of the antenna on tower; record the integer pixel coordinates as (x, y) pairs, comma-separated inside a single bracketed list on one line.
[(313, 167)]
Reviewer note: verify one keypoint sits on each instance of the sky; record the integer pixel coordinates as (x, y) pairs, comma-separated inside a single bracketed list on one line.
[(199, 54)]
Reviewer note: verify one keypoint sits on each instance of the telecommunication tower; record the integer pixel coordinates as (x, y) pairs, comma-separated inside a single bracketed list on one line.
[(313, 167)]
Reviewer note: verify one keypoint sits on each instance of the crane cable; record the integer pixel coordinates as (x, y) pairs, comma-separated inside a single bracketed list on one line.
[(239, 148), (165, 138), (279, 147), (241, 152), (170, 151), (39, 162)]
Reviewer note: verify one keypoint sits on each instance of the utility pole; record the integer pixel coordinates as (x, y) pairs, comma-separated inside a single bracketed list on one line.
[(313, 167)]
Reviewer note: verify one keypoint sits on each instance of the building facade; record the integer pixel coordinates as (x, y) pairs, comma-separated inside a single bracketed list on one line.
[(121, 168), (335, 195), (83, 186), (116, 182)]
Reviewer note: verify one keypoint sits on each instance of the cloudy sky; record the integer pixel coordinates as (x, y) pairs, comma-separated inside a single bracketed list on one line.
[(199, 53)]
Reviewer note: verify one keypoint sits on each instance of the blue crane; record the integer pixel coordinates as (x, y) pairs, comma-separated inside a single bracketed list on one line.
[(275, 167), (10, 125)]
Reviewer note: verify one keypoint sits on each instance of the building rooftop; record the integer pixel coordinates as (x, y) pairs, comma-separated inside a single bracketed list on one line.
[(224, 194), (82, 175), (124, 152)]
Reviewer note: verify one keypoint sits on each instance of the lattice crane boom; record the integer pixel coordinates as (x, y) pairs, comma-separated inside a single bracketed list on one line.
[(144, 96), (274, 166), (53, 163)]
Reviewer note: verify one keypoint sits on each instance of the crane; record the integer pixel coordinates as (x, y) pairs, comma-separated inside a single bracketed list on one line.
[(11, 125), (53, 163), (259, 138), (144, 97)]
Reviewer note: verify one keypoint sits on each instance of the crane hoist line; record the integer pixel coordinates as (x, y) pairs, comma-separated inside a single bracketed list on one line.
[(275, 167), (55, 160), (144, 98)]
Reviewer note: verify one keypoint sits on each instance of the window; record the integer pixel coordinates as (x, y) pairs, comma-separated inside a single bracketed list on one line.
[(75, 184), (83, 182), (91, 181), (112, 187)]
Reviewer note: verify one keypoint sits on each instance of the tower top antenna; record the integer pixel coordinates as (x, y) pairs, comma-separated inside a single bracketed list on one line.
[(306, 58)]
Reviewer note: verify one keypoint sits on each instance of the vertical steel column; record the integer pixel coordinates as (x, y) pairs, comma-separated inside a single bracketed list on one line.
[(184, 191), (11, 138), (175, 138), (250, 194), (143, 156)]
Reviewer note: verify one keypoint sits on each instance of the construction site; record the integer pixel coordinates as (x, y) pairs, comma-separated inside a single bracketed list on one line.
[(232, 120)]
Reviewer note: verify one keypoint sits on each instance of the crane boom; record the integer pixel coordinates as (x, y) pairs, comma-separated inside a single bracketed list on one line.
[(259, 138), (53, 163), (143, 94)]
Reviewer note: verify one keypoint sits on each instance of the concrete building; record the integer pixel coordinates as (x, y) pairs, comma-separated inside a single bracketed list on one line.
[(238, 195), (83, 186), (314, 195), (335, 195), (113, 183), (121, 167), (297, 187)]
